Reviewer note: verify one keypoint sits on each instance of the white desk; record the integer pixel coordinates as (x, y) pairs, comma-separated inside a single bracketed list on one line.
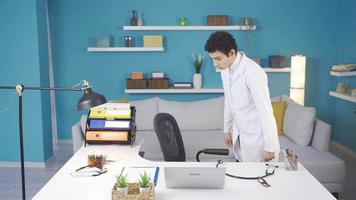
[(284, 184)]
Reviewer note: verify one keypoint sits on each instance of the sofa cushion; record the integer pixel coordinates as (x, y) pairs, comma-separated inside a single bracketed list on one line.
[(196, 115), (279, 108), (145, 112), (324, 166), (298, 123)]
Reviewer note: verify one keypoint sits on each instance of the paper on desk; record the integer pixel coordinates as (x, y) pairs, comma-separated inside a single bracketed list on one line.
[(133, 173)]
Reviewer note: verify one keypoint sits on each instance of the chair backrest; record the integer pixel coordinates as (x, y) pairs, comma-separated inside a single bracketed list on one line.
[(169, 137)]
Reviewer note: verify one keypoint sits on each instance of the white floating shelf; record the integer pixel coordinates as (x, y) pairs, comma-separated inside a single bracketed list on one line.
[(124, 49), (353, 73), (186, 28), (172, 90), (284, 69), (343, 96)]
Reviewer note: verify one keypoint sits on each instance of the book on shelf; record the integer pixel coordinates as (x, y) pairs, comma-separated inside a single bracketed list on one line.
[(182, 84), (157, 75), (180, 87), (136, 75)]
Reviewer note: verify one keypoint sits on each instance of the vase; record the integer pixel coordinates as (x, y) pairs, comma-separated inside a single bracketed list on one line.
[(197, 81), (123, 191), (133, 20), (139, 19)]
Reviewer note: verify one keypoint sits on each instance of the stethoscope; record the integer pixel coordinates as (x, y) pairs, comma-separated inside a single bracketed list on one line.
[(95, 172), (269, 171)]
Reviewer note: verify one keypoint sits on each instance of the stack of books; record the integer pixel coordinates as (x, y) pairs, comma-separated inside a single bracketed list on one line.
[(182, 85), (111, 123), (157, 75)]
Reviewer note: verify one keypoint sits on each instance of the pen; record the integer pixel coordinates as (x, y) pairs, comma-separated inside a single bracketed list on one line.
[(122, 171)]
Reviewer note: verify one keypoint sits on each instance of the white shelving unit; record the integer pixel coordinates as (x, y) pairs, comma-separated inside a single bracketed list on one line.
[(187, 28), (124, 49), (343, 96), (284, 69), (353, 73), (172, 90)]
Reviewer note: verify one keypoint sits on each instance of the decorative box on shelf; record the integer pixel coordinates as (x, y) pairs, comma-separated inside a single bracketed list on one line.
[(153, 41), (217, 20), (136, 83), (133, 193), (158, 83)]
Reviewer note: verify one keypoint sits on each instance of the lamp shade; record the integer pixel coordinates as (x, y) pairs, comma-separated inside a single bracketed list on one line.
[(297, 79), (90, 99)]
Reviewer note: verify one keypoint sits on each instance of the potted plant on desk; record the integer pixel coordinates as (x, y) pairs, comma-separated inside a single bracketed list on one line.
[(121, 184), (144, 183)]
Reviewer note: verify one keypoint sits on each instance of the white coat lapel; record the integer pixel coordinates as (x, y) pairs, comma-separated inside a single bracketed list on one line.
[(237, 67)]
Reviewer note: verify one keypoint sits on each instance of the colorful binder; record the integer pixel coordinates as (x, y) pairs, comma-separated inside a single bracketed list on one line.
[(107, 136), (110, 124)]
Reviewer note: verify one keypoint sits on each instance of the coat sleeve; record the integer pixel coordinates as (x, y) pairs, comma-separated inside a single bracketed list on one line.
[(227, 105), (257, 83)]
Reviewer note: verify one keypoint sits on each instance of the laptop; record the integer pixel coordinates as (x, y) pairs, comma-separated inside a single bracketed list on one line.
[(194, 177)]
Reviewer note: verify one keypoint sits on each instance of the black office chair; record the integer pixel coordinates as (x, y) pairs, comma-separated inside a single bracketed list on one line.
[(171, 142)]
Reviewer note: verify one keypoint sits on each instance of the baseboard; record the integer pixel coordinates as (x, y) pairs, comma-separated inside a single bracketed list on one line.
[(344, 149), (64, 141), (27, 164)]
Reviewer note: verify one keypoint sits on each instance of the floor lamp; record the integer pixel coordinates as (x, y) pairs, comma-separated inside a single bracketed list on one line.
[(88, 100), (297, 79)]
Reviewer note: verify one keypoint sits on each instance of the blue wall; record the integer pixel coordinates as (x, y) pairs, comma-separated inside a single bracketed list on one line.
[(345, 119), (24, 60), (283, 27)]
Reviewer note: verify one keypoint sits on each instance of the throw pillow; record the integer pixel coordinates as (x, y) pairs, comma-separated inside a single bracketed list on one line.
[(196, 115), (279, 108), (145, 112), (298, 123)]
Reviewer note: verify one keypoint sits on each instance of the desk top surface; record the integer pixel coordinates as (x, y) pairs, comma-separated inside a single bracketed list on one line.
[(285, 184)]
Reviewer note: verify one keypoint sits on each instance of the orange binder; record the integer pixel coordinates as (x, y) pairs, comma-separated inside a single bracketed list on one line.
[(112, 136)]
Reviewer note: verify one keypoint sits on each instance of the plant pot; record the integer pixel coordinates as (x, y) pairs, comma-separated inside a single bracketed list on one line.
[(144, 190), (197, 81), (122, 191)]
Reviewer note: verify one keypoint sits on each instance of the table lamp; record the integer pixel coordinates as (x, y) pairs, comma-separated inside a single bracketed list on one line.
[(88, 100)]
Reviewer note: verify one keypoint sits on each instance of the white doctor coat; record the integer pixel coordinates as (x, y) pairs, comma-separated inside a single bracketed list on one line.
[(248, 113)]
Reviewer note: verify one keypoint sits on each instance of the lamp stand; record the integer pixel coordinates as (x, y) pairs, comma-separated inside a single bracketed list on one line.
[(88, 100), (19, 90)]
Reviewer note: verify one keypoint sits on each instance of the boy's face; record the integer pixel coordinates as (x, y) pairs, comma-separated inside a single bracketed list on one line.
[(221, 60)]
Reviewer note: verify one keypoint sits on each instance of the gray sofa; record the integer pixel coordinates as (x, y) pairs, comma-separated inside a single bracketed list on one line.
[(201, 125)]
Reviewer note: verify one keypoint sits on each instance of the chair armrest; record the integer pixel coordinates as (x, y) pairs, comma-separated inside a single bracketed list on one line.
[(77, 137), (321, 135)]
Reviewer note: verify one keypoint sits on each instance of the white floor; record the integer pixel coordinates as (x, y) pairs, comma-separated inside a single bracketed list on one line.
[(10, 180)]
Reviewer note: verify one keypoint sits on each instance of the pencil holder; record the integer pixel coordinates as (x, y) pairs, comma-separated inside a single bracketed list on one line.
[(291, 163)]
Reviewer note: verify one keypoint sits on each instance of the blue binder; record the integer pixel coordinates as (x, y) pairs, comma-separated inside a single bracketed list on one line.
[(110, 124)]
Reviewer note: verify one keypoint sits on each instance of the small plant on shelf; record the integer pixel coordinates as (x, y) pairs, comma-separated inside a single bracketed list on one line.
[(197, 62)]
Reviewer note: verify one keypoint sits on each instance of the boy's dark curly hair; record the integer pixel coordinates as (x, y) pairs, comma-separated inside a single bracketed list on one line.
[(220, 41)]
